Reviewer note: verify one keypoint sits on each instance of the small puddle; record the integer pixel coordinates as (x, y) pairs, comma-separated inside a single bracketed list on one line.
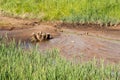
[(75, 45), (87, 47)]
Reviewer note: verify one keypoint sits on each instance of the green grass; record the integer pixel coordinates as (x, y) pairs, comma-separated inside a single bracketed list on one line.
[(19, 64), (101, 11)]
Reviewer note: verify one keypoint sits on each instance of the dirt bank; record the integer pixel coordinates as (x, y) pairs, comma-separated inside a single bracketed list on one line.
[(82, 42)]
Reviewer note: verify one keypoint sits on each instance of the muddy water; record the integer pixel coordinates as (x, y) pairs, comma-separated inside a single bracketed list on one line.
[(71, 43), (78, 45), (84, 47)]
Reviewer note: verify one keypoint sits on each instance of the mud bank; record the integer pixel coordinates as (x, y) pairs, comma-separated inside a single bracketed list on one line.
[(79, 43)]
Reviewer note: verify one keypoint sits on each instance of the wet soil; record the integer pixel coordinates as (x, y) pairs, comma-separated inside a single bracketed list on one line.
[(81, 42)]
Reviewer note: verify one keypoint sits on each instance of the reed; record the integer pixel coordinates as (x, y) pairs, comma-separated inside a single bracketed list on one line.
[(19, 64)]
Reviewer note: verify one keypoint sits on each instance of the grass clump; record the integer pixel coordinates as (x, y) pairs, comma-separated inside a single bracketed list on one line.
[(104, 11), (19, 64)]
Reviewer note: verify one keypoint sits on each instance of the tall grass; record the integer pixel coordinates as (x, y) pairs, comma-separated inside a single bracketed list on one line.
[(19, 64), (67, 10)]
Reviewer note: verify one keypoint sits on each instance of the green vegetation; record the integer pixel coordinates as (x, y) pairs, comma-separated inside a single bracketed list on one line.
[(18, 64), (101, 11)]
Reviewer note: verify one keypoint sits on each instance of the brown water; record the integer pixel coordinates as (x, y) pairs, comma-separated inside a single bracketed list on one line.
[(85, 47), (75, 43)]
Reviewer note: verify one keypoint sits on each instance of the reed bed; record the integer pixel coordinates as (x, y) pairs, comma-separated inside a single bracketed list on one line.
[(17, 63)]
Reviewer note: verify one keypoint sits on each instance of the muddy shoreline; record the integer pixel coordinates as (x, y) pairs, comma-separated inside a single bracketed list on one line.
[(82, 42)]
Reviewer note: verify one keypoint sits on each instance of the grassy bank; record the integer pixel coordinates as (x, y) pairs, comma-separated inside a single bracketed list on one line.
[(67, 10), (18, 64)]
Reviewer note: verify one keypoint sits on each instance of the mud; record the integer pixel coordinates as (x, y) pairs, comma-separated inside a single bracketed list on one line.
[(81, 43)]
